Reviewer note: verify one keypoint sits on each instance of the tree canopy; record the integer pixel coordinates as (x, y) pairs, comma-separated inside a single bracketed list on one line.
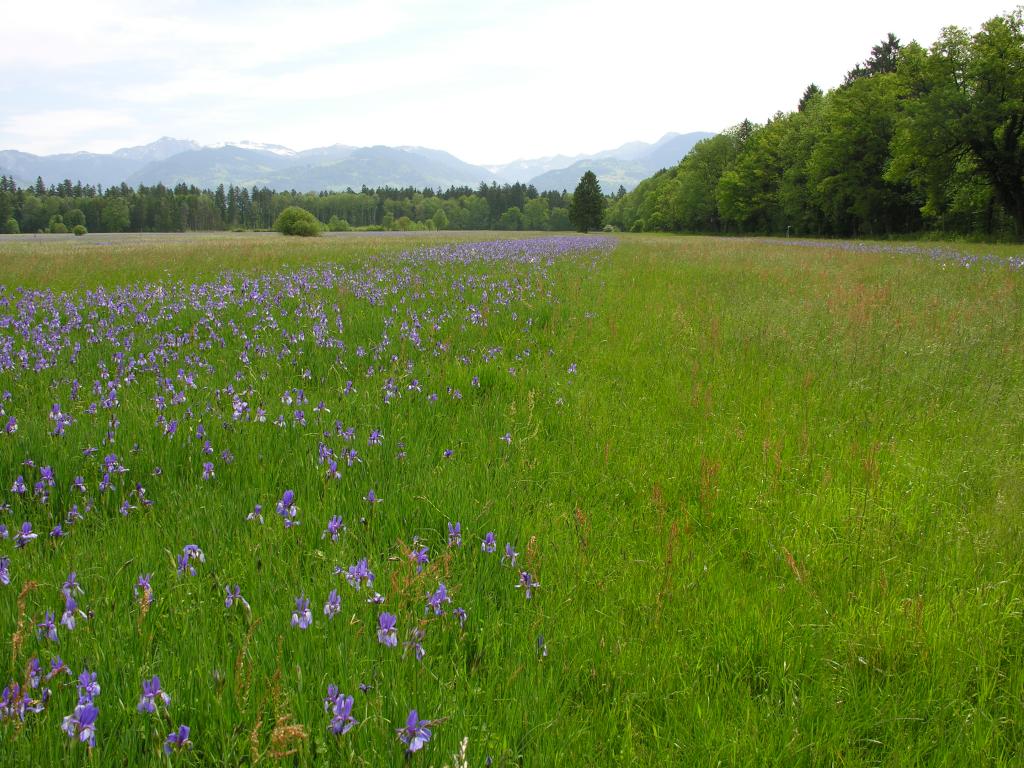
[(586, 211)]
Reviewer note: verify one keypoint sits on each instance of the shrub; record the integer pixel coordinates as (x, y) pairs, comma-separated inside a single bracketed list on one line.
[(297, 221), (638, 226), (12, 227), (338, 225), (80, 230), (58, 228)]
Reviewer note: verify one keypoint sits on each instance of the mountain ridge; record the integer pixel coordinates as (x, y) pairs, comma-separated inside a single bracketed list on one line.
[(171, 161)]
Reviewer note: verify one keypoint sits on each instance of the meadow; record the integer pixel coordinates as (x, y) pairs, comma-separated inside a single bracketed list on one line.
[(596, 500)]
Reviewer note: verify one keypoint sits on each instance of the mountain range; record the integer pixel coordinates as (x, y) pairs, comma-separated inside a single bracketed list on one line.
[(173, 161)]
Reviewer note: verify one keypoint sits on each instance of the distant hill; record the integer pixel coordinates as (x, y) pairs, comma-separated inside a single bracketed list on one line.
[(627, 165), (172, 161)]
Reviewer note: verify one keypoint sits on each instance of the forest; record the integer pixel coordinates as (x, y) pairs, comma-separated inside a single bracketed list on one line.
[(915, 140), (62, 207)]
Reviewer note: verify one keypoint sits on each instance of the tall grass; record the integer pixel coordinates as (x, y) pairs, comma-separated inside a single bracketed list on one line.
[(771, 493)]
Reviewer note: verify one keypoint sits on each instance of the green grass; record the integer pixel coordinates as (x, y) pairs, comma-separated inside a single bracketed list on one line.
[(775, 514)]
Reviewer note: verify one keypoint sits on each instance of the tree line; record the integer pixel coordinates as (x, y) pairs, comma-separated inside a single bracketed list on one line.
[(182, 208), (915, 139)]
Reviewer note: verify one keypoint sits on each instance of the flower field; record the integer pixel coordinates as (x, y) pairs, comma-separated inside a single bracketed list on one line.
[(543, 501)]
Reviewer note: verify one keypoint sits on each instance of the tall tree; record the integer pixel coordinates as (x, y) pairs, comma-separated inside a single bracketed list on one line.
[(586, 211), (964, 103)]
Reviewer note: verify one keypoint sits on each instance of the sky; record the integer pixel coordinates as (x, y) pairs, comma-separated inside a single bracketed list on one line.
[(490, 81)]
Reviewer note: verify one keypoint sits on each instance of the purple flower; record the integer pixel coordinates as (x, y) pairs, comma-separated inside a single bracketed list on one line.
[(302, 617), (386, 632), (510, 556), (151, 693), (287, 510), (359, 575), (333, 605), (143, 590), (371, 497), (79, 484), (177, 740), (376, 438), (256, 514), (527, 582), (25, 535), (489, 544), (415, 643), (334, 528), (415, 734), (340, 707), (507, 437), (5, 570), (419, 556), (19, 485), (438, 599), (82, 723), (207, 470), (455, 534), (88, 688), (233, 596), (188, 554), (47, 627), (71, 610), (460, 614)]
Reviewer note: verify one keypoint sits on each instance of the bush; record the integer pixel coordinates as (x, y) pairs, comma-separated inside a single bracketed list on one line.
[(12, 227), (338, 225), (297, 221), (638, 226), (80, 230), (58, 228)]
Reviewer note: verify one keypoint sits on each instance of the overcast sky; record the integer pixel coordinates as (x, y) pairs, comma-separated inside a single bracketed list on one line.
[(488, 80)]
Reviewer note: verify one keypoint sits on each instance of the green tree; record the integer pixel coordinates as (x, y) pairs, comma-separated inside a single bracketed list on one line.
[(74, 217), (963, 108), (12, 227), (536, 214), (297, 221), (511, 219), (440, 219), (116, 215), (586, 211)]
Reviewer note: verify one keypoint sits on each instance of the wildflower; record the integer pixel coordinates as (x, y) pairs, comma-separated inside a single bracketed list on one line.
[(371, 497), (177, 740), (233, 596), (507, 437), (455, 534), (415, 734), (71, 585), (334, 527), (82, 723), (88, 688), (386, 632), (5, 570), (489, 543), (526, 581), (460, 614), (143, 590), (71, 609), (207, 470), (448, 453), (437, 599), (79, 484), (359, 575), (376, 438), (188, 554), (302, 617), (19, 485), (415, 643), (375, 599), (510, 556), (287, 510), (419, 556), (333, 605), (151, 693), (542, 647), (256, 514), (341, 713), (47, 627)]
